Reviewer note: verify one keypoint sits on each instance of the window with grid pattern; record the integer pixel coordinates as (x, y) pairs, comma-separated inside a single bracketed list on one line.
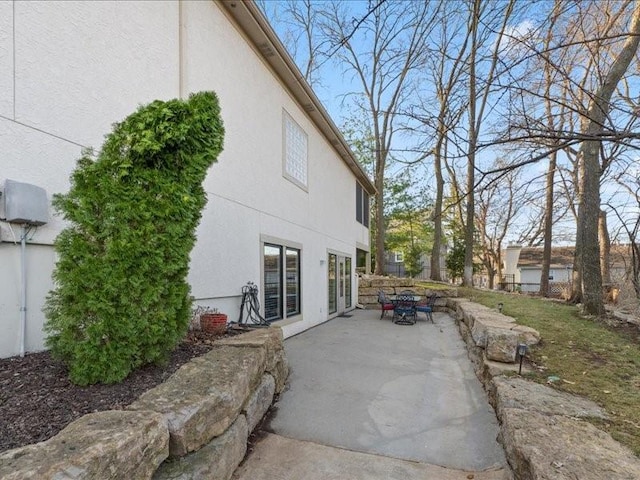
[(295, 151)]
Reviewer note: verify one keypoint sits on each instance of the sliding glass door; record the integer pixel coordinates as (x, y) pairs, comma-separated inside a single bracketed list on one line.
[(333, 283), (282, 284), (339, 283)]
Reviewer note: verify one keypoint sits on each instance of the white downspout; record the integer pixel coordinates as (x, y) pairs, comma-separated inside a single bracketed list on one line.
[(23, 289)]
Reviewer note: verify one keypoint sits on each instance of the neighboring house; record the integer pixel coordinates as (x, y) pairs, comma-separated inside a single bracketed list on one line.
[(523, 266), (286, 200), (528, 266), (394, 265)]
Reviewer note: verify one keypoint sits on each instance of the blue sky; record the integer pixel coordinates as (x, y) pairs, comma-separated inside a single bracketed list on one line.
[(334, 85)]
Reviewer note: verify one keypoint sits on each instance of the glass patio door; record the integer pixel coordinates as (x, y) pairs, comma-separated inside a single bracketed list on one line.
[(333, 283), (339, 283)]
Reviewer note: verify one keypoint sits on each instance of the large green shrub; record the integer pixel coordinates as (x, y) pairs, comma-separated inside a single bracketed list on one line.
[(121, 298)]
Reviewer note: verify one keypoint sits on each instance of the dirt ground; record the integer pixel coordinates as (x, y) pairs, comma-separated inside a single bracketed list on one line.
[(37, 400)]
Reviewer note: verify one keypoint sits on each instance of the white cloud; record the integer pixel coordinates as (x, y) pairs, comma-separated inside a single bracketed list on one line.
[(517, 38)]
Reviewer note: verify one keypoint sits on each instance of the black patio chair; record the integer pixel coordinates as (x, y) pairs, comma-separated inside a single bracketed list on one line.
[(427, 306), (385, 304)]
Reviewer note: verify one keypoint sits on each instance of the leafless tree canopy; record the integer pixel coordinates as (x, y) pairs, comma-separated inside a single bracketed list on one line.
[(550, 88)]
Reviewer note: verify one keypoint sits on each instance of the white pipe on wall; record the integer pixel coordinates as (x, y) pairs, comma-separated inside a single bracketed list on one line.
[(23, 289)]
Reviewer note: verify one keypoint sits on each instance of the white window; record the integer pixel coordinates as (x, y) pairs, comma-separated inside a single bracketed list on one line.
[(294, 151), (362, 205)]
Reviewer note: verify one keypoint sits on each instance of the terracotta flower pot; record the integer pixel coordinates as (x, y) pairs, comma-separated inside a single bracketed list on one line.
[(213, 323)]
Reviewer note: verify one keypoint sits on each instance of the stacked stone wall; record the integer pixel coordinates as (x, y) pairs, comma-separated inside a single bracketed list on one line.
[(370, 285), (545, 432), (195, 425)]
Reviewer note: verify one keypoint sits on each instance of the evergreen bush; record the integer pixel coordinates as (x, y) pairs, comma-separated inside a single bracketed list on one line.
[(455, 259), (121, 297)]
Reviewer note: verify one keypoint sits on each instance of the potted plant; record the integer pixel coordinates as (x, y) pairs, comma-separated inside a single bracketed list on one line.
[(212, 321)]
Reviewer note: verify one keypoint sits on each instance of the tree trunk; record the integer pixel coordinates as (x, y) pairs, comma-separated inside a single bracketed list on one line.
[(467, 279), (587, 251), (379, 182), (436, 267), (605, 248), (635, 265), (492, 275), (576, 274), (548, 207), (548, 227), (588, 212), (499, 269)]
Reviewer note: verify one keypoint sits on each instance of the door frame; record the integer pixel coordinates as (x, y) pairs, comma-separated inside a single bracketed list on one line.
[(337, 290)]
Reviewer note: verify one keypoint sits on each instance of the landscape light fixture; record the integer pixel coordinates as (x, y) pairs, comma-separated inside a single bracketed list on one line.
[(522, 351), (500, 307)]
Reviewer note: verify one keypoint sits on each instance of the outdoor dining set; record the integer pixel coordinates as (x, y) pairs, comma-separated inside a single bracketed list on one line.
[(406, 305)]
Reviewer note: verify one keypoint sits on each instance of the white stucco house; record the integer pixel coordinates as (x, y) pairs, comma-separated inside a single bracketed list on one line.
[(287, 201)]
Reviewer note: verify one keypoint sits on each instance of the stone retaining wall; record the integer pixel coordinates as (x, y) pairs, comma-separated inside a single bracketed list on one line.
[(543, 431), (369, 285), (195, 425)]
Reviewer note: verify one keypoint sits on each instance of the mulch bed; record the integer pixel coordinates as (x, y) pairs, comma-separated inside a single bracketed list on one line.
[(37, 400)]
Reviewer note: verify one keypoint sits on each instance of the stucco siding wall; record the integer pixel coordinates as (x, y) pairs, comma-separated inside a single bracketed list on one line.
[(39, 263), (252, 102), (319, 219), (34, 157), (80, 66), (6, 59), (74, 75)]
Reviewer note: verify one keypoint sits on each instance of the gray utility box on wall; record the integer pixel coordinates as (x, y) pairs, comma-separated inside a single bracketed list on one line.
[(25, 203)]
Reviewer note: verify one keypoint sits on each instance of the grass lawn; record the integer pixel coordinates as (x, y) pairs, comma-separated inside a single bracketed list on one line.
[(590, 357)]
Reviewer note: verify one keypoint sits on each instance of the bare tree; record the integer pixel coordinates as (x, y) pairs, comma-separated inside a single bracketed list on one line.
[(583, 55), (390, 48), (300, 34), (498, 206), (478, 102), (589, 62), (629, 180), (446, 70), (587, 253), (560, 94), (549, 78)]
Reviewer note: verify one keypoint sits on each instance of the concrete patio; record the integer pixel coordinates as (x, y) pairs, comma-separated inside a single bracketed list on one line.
[(369, 399)]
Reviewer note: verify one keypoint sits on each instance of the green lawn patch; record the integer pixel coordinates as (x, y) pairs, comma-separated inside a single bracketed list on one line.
[(436, 285), (592, 358)]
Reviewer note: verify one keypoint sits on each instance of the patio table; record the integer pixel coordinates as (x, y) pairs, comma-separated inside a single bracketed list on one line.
[(404, 311)]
